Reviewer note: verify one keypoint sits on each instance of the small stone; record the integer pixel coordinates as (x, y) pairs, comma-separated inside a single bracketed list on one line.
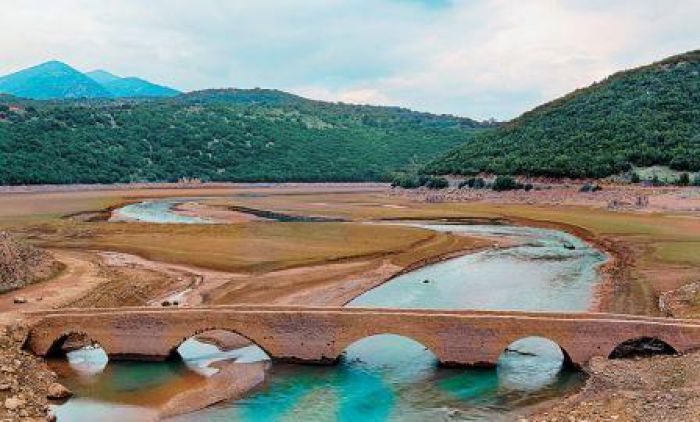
[(5, 387), (58, 391), (12, 403), (20, 299)]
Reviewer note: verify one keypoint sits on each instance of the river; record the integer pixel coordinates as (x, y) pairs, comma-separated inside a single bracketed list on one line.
[(383, 377)]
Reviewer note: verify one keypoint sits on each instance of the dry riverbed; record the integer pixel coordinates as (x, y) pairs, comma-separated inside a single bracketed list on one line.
[(654, 250)]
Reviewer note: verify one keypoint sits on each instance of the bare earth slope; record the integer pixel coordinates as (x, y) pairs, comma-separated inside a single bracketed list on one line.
[(22, 264)]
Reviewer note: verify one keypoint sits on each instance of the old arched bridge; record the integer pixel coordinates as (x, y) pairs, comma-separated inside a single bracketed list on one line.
[(321, 334)]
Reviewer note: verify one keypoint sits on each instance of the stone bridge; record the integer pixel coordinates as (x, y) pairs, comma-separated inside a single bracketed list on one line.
[(320, 334)]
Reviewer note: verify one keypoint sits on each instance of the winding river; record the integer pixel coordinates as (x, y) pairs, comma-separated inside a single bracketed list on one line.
[(383, 377)]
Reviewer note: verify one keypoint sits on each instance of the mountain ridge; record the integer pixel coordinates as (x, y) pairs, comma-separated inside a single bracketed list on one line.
[(57, 80)]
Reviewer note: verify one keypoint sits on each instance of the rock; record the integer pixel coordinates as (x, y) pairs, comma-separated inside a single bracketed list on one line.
[(5, 386), (165, 303), (58, 391), (12, 403), (20, 299)]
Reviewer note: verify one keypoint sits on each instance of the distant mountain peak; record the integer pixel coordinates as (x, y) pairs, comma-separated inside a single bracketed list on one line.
[(56, 80), (101, 76), (51, 80)]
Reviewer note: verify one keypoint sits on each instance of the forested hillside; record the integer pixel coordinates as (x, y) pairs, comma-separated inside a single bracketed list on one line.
[(644, 116), (217, 135)]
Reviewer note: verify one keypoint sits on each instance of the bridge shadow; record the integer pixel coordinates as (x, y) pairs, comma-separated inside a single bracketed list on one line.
[(642, 347)]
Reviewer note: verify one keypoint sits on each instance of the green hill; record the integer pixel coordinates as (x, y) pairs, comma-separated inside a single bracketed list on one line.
[(644, 116), (216, 135)]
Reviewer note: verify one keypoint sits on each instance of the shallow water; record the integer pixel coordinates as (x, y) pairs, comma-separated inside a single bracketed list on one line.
[(156, 211), (390, 377)]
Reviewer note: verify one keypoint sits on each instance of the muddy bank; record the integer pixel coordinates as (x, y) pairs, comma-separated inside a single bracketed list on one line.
[(660, 388)]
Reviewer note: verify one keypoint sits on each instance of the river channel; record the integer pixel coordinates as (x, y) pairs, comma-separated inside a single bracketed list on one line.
[(383, 377)]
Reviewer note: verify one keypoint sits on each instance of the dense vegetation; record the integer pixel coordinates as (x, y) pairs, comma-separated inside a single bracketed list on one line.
[(643, 117), (218, 135)]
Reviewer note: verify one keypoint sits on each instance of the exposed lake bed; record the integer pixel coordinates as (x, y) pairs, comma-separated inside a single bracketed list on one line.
[(369, 214), (411, 386)]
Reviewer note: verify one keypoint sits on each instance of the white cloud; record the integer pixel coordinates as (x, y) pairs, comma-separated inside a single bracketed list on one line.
[(473, 57)]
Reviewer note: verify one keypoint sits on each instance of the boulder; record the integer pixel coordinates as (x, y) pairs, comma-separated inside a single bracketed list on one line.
[(57, 391)]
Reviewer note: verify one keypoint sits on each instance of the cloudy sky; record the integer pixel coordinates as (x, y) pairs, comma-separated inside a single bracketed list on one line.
[(477, 58)]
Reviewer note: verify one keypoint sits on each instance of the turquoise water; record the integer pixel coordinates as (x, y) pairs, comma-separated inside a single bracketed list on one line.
[(385, 377), (156, 211)]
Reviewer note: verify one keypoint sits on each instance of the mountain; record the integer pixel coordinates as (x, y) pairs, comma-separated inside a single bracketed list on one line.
[(253, 135), (102, 76), (640, 117), (51, 80), (57, 80), (130, 86)]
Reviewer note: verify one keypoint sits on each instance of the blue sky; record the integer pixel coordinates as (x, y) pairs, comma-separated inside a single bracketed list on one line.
[(474, 58)]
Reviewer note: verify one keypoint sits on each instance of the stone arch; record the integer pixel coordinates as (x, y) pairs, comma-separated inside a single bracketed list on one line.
[(79, 337), (643, 346), (342, 350), (173, 351), (567, 361)]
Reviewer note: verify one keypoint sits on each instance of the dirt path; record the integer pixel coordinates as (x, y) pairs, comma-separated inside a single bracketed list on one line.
[(79, 276)]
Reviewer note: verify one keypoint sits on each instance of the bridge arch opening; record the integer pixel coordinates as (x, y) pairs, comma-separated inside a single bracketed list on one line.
[(642, 347), (83, 353), (395, 357), (533, 363), (205, 347)]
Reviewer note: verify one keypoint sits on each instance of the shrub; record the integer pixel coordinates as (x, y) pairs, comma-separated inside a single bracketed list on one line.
[(503, 183), (696, 180), (635, 178), (405, 181), (434, 182), (684, 179), (473, 183)]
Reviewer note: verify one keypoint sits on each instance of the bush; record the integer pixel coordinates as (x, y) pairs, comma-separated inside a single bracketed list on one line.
[(503, 183), (405, 181), (635, 178), (473, 183), (436, 183), (696, 180), (684, 179)]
